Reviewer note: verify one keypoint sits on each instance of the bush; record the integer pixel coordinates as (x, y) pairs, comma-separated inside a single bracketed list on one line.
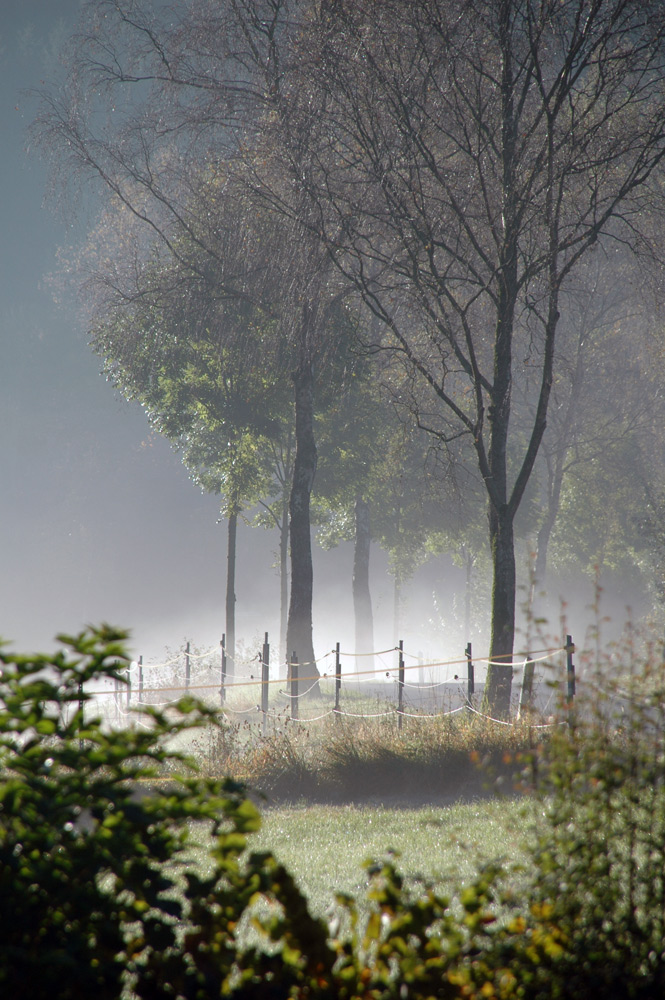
[(593, 921), (99, 899), (91, 853)]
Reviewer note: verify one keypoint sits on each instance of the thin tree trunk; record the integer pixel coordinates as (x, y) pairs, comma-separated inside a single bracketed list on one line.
[(556, 471), (362, 598), (500, 671), (469, 562), (397, 604), (232, 531), (299, 628), (283, 586), (542, 544)]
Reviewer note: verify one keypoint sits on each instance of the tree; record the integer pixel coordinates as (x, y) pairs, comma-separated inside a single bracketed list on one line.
[(173, 116), (350, 437), (470, 155), (203, 365)]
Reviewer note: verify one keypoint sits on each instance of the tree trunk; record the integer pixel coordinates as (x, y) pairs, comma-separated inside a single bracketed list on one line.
[(397, 605), (469, 561), (554, 486), (500, 670), (501, 516), (542, 543), (362, 598), (299, 628), (283, 586), (232, 532)]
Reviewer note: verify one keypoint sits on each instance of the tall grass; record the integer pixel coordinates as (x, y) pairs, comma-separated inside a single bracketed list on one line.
[(343, 760)]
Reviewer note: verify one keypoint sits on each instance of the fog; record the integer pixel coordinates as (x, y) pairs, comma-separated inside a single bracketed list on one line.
[(100, 521)]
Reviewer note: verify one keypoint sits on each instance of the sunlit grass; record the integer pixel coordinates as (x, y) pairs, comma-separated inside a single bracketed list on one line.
[(325, 847)]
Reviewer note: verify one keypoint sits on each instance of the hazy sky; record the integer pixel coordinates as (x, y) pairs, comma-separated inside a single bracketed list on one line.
[(98, 518)]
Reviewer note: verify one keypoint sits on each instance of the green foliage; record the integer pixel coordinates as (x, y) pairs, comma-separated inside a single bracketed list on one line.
[(100, 895), (90, 850), (202, 367), (596, 921)]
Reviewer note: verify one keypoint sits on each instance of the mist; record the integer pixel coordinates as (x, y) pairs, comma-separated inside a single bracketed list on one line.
[(101, 521)]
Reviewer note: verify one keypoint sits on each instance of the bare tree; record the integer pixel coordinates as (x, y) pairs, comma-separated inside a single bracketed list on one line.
[(470, 153)]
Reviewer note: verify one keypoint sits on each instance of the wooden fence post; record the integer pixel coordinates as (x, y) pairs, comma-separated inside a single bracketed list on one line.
[(265, 677), (338, 679), (527, 687), (81, 713), (470, 674), (222, 681), (141, 678), (570, 678), (187, 668), (400, 684), (294, 686)]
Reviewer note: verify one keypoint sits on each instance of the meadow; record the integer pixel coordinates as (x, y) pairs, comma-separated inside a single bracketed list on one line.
[(326, 848)]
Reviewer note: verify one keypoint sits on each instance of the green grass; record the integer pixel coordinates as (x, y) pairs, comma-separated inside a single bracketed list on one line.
[(325, 846)]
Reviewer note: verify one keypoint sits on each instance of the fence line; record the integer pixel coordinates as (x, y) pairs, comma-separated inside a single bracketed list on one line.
[(526, 662)]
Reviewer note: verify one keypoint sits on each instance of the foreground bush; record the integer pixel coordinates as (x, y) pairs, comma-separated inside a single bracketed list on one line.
[(98, 898)]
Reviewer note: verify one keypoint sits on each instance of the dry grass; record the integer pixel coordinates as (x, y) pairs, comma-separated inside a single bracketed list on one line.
[(343, 761)]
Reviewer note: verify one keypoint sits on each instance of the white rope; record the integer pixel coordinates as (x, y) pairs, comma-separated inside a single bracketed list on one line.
[(378, 652), (548, 702), (199, 656), (424, 687), (300, 694), (354, 715), (316, 718), (389, 671), (528, 659), (166, 663), (500, 722), (404, 652), (438, 715), (152, 704), (313, 663)]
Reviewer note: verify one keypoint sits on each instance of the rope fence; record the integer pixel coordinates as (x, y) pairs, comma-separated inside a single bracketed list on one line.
[(303, 687)]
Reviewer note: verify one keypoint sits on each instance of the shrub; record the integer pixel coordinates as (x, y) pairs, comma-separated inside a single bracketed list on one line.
[(91, 854), (593, 921)]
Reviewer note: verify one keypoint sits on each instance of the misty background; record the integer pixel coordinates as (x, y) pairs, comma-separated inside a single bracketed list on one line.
[(100, 520)]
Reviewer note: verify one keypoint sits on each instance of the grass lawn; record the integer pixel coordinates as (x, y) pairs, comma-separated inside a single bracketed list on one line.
[(325, 846)]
